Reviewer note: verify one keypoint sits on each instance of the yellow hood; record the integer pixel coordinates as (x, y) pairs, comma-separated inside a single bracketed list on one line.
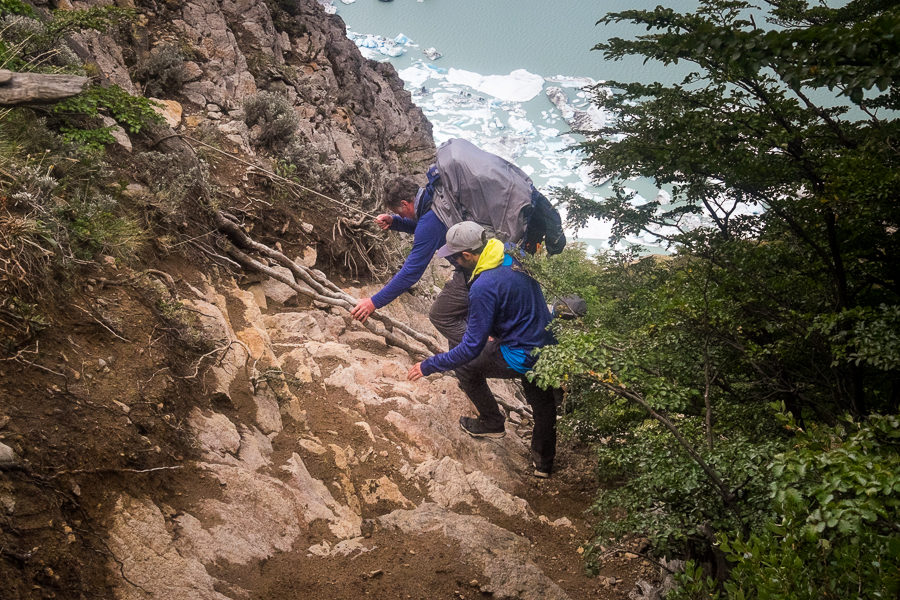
[(491, 257)]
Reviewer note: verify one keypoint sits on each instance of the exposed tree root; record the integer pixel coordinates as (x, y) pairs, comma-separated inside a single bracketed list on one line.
[(318, 287)]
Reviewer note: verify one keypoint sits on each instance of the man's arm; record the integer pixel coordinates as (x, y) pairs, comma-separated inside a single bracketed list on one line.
[(429, 236), (482, 308), (402, 224)]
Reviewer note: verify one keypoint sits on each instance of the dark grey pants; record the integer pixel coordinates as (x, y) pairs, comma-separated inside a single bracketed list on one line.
[(491, 364), (451, 309)]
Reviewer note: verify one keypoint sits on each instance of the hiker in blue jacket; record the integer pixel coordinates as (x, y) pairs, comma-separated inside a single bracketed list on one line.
[(412, 213), (508, 318), (409, 217)]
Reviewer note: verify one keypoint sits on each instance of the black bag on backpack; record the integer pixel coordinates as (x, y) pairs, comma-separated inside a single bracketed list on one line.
[(544, 225)]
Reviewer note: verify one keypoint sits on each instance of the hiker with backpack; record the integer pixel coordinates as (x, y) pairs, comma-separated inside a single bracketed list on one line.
[(507, 320), (411, 214), (465, 184)]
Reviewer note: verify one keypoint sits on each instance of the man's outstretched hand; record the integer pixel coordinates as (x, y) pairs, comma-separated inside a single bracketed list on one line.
[(362, 310), (384, 221), (415, 372)]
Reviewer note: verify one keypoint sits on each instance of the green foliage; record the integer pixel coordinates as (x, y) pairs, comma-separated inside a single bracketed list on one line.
[(15, 7), (834, 535), (30, 44), (865, 335), (54, 213), (131, 112), (97, 18), (666, 496), (94, 228), (33, 45), (791, 167), (781, 291)]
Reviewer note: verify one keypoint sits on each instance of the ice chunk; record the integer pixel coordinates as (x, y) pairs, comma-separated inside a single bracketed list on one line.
[(432, 53), (518, 86), (414, 76)]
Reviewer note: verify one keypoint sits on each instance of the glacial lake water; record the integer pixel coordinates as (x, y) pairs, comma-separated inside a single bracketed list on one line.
[(498, 60)]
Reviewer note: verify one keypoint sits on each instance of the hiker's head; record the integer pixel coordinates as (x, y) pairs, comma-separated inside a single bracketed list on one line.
[(465, 243), (400, 196)]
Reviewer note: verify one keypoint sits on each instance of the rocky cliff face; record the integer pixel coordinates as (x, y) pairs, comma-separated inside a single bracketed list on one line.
[(348, 108)]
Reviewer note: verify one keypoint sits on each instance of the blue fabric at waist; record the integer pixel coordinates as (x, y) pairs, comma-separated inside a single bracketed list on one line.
[(519, 360)]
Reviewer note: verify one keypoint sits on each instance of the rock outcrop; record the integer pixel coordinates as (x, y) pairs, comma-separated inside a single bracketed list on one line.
[(349, 108)]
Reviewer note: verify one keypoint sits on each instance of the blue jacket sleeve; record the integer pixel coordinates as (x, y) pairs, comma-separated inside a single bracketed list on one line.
[(429, 236), (402, 224), (482, 306)]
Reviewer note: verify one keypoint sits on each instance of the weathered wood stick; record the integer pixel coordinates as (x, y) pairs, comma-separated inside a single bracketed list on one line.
[(241, 239), (253, 264), (24, 88)]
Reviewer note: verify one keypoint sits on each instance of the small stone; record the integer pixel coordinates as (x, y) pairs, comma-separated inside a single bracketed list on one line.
[(306, 227), (4, 420), (101, 363), (8, 458), (135, 190)]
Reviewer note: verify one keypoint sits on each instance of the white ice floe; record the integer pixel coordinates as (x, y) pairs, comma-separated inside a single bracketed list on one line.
[(518, 86), (414, 76), (371, 45), (432, 53)]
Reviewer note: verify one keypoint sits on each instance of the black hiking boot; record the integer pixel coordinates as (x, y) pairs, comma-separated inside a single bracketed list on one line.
[(477, 428)]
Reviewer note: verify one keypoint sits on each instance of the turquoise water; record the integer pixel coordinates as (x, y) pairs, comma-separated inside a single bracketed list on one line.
[(498, 36), (499, 60)]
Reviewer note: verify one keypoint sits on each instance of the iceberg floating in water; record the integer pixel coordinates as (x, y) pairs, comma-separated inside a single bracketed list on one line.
[(432, 53), (377, 44), (518, 86)]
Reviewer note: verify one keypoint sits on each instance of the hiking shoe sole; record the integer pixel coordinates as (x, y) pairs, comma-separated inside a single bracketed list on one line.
[(540, 472), (480, 434)]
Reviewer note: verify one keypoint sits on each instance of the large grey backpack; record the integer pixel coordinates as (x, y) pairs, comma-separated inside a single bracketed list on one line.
[(478, 186)]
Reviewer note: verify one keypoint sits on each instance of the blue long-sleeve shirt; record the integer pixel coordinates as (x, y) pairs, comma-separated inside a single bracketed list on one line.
[(430, 235), (504, 303)]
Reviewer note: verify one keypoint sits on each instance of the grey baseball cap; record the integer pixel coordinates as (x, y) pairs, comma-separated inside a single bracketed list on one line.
[(467, 235)]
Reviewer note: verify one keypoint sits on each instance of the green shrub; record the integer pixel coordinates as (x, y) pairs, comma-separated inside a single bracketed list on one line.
[(131, 112), (836, 503), (15, 7), (95, 228), (273, 118), (173, 181)]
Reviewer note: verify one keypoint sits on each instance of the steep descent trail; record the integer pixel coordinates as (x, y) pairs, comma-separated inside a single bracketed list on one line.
[(323, 471)]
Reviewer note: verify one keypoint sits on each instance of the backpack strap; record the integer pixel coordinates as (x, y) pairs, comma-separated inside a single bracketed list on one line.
[(427, 197)]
